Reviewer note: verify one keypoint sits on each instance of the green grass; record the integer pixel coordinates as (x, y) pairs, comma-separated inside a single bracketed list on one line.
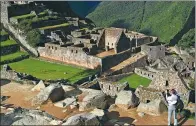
[(135, 80), (7, 43), (12, 56), (54, 26), (45, 70), (24, 16), (3, 32)]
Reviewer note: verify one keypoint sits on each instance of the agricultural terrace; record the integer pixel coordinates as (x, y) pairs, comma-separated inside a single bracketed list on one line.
[(25, 16), (54, 26), (8, 43), (13, 56), (135, 80), (3, 32), (46, 70)]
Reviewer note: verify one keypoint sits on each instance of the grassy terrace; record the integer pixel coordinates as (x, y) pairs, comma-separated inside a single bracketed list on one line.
[(7, 43), (24, 16), (54, 26), (3, 32), (12, 56), (135, 80), (46, 70)]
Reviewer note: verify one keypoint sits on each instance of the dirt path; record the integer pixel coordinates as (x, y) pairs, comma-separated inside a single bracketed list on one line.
[(130, 116), (21, 96)]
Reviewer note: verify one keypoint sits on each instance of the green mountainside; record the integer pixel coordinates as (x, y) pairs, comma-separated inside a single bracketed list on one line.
[(159, 18)]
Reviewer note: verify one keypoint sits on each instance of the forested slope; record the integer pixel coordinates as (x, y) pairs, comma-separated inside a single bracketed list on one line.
[(159, 18)]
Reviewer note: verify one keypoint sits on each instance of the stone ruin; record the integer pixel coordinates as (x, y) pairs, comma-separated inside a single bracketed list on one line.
[(90, 48)]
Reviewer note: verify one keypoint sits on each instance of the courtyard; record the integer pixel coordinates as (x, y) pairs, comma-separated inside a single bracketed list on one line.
[(47, 70), (135, 80)]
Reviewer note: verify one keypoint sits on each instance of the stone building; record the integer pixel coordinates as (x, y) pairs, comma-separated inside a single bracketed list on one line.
[(139, 39), (69, 53), (114, 38), (153, 51), (112, 89)]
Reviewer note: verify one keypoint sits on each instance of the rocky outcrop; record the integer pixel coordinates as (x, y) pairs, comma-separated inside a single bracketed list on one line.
[(39, 86), (155, 107), (54, 92), (100, 114), (8, 73), (126, 100), (20, 116), (90, 99), (66, 102), (83, 119)]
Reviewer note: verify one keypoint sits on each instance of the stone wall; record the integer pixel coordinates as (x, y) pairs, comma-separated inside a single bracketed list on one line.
[(112, 60), (147, 94), (4, 11), (145, 73), (154, 52), (72, 55), (141, 62), (66, 29), (20, 39), (123, 43), (4, 37), (110, 88), (9, 49), (168, 79)]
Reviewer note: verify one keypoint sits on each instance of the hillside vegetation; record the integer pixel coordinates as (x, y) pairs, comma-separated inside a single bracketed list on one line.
[(162, 19), (188, 39)]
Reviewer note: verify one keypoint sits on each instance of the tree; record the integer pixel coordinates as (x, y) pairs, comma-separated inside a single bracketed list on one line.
[(34, 37), (188, 39)]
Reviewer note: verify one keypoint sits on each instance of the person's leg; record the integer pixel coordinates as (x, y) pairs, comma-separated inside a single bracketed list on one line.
[(175, 118), (169, 115)]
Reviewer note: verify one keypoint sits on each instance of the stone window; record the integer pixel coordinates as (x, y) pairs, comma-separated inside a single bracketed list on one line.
[(147, 101), (116, 88), (109, 87), (108, 43), (76, 51), (148, 75), (49, 47), (150, 49), (101, 85), (55, 48), (72, 51), (52, 47), (141, 72), (152, 75), (166, 84), (160, 48), (112, 44)]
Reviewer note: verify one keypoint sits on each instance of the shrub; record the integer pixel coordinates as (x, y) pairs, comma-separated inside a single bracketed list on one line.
[(34, 37)]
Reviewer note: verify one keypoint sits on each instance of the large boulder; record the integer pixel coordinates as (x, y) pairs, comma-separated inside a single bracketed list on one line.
[(83, 119), (91, 99), (70, 91), (100, 114), (20, 116), (54, 92), (66, 102), (126, 99), (40, 86), (155, 107)]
